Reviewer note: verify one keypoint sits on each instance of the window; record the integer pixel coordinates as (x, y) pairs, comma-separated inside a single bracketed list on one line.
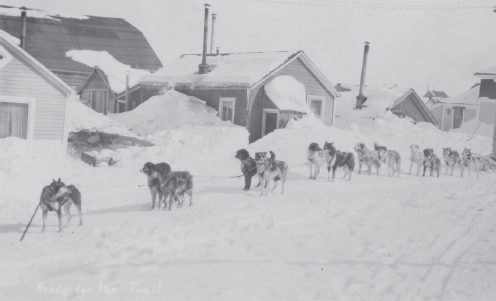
[(227, 107), (17, 117), (5, 57), (316, 104)]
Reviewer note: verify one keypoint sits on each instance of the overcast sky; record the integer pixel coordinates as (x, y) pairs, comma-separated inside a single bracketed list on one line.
[(411, 41)]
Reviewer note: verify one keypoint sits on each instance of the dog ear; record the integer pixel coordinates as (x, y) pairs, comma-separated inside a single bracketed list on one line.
[(59, 181)]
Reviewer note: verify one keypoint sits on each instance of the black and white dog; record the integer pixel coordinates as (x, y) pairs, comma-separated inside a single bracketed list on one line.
[(337, 159), (248, 166)]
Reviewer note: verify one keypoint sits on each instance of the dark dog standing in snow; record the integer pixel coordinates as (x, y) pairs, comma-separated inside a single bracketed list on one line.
[(315, 157), (432, 162), (248, 166), (150, 170), (270, 169), (174, 184), (56, 196), (337, 159)]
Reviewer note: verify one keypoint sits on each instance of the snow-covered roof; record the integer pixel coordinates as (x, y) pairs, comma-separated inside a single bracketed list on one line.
[(231, 70), (470, 96), (39, 14), (235, 69), (436, 94), (487, 71), (287, 94), (113, 69), (379, 100)]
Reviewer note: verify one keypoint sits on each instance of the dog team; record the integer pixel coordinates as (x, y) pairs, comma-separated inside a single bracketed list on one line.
[(172, 186), (381, 155)]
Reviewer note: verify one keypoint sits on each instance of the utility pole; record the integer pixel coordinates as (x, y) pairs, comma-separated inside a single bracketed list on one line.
[(494, 129)]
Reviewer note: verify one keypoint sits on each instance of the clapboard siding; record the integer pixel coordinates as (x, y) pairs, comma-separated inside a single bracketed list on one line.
[(469, 114), (303, 75), (18, 78), (74, 80), (97, 82), (212, 95)]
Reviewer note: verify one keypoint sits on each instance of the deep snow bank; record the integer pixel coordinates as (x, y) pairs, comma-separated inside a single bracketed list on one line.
[(84, 118), (291, 143), (477, 127), (168, 111)]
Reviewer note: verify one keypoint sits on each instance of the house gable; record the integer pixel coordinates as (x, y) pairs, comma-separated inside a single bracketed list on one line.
[(412, 106), (300, 71)]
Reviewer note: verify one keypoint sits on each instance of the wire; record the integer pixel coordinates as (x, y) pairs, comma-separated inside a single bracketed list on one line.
[(368, 5), (475, 131)]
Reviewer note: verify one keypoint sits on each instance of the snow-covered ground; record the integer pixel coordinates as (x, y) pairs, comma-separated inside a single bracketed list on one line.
[(374, 238)]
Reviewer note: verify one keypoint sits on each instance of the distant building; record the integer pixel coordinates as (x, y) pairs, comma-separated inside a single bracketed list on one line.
[(403, 102), (33, 100), (243, 87), (50, 36), (453, 112), (432, 97)]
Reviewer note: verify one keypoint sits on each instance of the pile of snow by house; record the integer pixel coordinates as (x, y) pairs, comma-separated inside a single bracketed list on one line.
[(379, 99), (169, 111), (475, 127), (115, 71), (287, 94), (83, 118), (470, 96), (236, 69)]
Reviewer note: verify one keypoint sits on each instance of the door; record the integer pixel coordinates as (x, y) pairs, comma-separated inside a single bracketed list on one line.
[(14, 120), (457, 117), (270, 121)]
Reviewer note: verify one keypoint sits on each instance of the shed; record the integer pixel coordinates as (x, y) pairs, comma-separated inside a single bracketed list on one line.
[(33, 100), (236, 86)]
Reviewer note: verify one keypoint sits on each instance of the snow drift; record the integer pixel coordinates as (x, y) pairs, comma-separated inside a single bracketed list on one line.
[(287, 94), (168, 111)]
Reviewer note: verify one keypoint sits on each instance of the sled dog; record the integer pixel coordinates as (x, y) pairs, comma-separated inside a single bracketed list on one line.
[(432, 162), (269, 169), (451, 157), (174, 184), (469, 161), (56, 196), (416, 157), (315, 157), (367, 157), (338, 159), (391, 158), (248, 166), (150, 170)]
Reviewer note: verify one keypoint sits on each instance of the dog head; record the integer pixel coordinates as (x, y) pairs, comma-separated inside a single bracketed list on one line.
[(466, 154), (329, 148), (428, 153), (163, 169), (446, 151), (414, 148), (381, 152), (359, 147), (148, 169), (261, 157), (56, 185), (242, 154), (314, 147)]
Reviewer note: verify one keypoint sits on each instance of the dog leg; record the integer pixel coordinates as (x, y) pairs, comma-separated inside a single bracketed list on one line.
[(248, 182), (452, 169), (261, 186), (359, 168), (78, 208), (310, 169), (446, 173), (59, 215), (45, 212), (275, 185), (317, 171), (462, 168), (67, 210), (191, 197), (154, 197)]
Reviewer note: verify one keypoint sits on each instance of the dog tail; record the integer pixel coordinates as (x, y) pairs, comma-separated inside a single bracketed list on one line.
[(272, 155), (376, 145)]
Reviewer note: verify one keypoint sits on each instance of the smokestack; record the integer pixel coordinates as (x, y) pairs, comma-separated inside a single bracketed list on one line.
[(212, 35), (360, 98), (23, 27), (203, 67)]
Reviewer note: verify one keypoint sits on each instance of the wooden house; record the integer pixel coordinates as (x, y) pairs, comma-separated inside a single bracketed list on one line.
[(236, 86), (453, 112), (50, 36), (402, 102), (33, 100)]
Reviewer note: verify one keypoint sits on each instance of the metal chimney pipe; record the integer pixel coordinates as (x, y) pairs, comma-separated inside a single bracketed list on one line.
[(361, 98), (23, 27), (212, 35), (203, 67)]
